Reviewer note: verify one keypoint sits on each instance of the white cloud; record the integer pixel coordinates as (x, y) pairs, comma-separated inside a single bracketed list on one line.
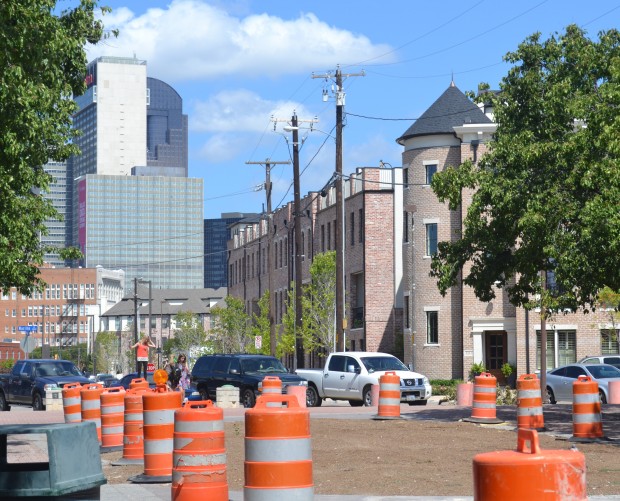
[(194, 40)]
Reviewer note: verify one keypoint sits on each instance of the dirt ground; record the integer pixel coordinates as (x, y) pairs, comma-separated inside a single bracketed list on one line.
[(402, 457)]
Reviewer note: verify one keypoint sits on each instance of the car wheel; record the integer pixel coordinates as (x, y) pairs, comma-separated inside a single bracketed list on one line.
[(551, 396), (312, 397), (356, 403), (3, 405), (367, 397), (37, 402), (248, 398), (602, 396)]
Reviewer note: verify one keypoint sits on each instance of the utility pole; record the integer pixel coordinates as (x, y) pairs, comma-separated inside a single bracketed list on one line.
[(272, 314), (341, 319), (299, 346), (135, 317)]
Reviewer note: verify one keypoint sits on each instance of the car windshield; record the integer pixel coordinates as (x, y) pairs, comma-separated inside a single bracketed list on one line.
[(373, 364), (601, 371), (57, 369), (262, 364)]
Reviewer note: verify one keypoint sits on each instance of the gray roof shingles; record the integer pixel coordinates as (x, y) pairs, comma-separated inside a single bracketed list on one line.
[(450, 110)]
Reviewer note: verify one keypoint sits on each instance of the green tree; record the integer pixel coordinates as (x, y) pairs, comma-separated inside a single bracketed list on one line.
[(107, 352), (320, 302), (189, 333), (288, 338), (609, 302), (231, 330), (261, 326), (43, 61), (547, 191)]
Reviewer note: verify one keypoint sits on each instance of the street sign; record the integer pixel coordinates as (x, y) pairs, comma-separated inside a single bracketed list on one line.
[(27, 328), (150, 367), (258, 342), (28, 344)]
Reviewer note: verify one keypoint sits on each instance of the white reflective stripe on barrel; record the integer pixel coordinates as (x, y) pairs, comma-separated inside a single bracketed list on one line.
[(586, 398), (133, 417), (97, 421), (164, 416), (257, 494), (529, 411), (389, 401), (89, 405), (198, 426), (485, 389), (111, 430), (198, 459), (162, 446), (389, 386), (483, 405), (528, 394), (586, 418), (72, 418), (112, 409), (263, 451), (71, 401)]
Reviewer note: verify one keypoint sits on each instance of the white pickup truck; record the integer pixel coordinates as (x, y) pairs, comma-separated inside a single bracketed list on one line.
[(350, 376)]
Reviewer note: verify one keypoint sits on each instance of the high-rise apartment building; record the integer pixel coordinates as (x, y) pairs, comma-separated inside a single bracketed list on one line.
[(56, 228), (133, 206)]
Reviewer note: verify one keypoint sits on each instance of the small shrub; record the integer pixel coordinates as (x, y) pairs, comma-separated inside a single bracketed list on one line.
[(445, 387), (475, 370), (506, 396)]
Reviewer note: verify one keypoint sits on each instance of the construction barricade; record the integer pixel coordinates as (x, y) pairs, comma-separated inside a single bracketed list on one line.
[(389, 396), (158, 409), (278, 451), (272, 385), (529, 403), (133, 433), (91, 405), (484, 405), (529, 473), (112, 418), (72, 402), (138, 383), (199, 456), (587, 422)]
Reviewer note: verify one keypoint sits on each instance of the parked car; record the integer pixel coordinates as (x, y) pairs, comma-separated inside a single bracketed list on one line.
[(29, 380), (560, 381), (106, 379), (350, 376), (602, 359), (245, 371)]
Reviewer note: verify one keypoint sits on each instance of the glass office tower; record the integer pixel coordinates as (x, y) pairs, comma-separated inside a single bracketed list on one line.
[(151, 227)]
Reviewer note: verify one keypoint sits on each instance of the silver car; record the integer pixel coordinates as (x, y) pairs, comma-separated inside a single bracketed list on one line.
[(560, 381)]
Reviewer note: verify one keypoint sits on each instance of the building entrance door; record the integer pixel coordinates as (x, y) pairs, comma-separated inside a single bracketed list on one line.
[(496, 353)]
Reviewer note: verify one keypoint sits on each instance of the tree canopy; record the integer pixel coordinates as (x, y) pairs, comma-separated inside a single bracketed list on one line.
[(43, 61), (546, 194)]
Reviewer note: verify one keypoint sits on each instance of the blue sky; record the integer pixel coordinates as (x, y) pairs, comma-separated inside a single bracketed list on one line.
[(238, 63)]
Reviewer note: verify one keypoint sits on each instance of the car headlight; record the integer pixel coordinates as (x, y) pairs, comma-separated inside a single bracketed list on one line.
[(52, 386), (260, 386), (426, 381)]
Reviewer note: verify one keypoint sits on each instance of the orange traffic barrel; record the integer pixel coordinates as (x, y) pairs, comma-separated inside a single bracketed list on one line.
[(529, 403), (278, 450), (529, 473), (587, 422), (72, 402), (272, 385), (138, 383), (389, 396), (158, 409), (199, 455), (133, 433), (483, 408), (91, 405), (112, 418)]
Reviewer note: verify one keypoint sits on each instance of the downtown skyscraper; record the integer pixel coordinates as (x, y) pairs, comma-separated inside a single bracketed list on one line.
[(133, 206)]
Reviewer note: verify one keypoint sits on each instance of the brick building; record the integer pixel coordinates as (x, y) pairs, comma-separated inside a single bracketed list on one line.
[(372, 255), (66, 311), (444, 336)]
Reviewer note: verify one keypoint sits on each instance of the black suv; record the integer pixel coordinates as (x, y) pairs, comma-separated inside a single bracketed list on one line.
[(244, 371)]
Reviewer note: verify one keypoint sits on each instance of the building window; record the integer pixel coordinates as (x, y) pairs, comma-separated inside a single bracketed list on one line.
[(405, 227), (609, 341), (431, 239), (561, 348), (406, 313), (430, 172), (352, 224), (329, 236), (322, 238), (361, 224), (432, 327), (406, 177), (309, 253)]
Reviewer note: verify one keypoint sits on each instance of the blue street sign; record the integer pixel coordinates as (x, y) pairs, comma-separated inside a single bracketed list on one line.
[(27, 328)]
